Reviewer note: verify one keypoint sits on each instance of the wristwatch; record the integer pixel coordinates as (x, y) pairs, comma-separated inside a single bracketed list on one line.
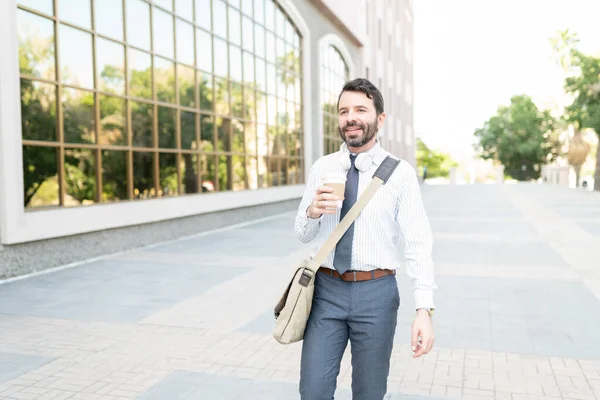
[(431, 311)]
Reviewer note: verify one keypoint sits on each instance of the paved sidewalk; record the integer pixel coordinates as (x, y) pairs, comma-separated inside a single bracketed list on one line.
[(518, 311)]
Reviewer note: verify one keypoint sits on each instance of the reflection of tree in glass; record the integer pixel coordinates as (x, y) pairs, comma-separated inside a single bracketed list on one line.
[(39, 123), (80, 175)]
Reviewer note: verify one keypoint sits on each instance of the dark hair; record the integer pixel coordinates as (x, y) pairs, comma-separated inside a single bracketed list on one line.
[(365, 86)]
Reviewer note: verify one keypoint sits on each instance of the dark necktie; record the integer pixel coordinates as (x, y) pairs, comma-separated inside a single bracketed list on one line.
[(342, 260)]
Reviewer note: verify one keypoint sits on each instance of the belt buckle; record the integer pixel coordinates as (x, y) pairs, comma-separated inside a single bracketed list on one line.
[(354, 276)]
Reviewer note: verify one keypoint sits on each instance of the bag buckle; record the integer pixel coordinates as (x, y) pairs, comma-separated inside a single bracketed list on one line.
[(305, 277)]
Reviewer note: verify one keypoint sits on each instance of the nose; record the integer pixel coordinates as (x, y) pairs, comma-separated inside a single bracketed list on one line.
[(351, 116)]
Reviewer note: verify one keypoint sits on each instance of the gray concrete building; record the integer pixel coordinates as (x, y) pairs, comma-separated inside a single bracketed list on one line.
[(128, 122)]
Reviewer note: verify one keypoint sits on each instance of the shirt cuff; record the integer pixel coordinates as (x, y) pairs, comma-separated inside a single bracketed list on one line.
[(424, 299)]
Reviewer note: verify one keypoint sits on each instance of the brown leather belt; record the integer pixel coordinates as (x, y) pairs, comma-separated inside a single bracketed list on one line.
[(356, 276)]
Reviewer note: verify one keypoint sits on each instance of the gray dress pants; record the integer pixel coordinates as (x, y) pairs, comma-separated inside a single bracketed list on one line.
[(366, 314)]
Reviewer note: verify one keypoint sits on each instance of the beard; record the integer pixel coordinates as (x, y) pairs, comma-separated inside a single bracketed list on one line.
[(368, 132)]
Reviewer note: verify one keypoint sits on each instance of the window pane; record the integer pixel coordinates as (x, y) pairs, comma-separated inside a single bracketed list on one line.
[(38, 111), (204, 51), (247, 7), (251, 172), (221, 96), (164, 76), (77, 12), (209, 171), (270, 49), (207, 124), (44, 6), (263, 172), (259, 40), (138, 24), (143, 176), (189, 173), (234, 26), (237, 100), (248, 34), (205, 91), (237, 172), (271, 79), (162, 24), (203, 14), (75, 49), (289, 32), (280, 51), (249, 104), (238, 143), (78, 112), (187, 85), (261, 74), (140, 74), (109, 18), (80, 177), (188, 130), (271, 110), (259, 11), (185, 42), (141, 124), (293, 172), (166, 4), (36, 45), (223, 134), (167, 118), (235, 65), (251, 137), (221, 57), (114, 175), (248, 69), (220, 18), (40, 176), (168, 175), (279, 22), (261, 107), (185, 8), (225, 172), (110, 59), (269, 15), (112, 121), (261, 137)]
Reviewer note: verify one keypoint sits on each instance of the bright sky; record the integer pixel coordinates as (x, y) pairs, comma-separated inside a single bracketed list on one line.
[(472, 55)]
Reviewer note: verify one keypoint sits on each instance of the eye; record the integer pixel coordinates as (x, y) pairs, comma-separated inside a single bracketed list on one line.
[(343, 112)]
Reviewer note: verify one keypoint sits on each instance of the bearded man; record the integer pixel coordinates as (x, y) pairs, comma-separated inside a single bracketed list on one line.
[(356, 295)]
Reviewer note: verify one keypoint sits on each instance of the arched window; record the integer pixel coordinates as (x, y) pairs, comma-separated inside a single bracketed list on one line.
[(334, 73)]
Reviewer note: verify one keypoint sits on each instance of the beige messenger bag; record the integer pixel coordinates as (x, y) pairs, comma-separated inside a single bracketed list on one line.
[(293, 310)]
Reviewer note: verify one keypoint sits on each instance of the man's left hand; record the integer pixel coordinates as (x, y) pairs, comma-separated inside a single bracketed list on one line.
[(422, 337)]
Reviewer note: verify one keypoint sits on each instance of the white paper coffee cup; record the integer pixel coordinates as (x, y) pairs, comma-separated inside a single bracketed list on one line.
[(337, 181)]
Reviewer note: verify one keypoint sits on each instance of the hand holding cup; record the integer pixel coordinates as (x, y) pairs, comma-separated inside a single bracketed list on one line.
[(329, 196)]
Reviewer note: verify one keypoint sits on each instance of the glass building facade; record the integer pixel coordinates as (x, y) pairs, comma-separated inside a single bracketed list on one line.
[(334, 73), (136, 99)]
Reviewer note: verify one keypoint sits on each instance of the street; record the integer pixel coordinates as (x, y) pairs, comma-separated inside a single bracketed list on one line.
[(517, 310)]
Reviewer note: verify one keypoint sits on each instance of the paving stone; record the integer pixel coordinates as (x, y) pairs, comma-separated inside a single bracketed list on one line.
[(14, 365)]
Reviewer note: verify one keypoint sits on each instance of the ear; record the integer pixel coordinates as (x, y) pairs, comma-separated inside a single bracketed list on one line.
[(380, 120)]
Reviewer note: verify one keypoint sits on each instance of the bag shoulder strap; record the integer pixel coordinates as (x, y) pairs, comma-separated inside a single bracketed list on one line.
[(380, 177)]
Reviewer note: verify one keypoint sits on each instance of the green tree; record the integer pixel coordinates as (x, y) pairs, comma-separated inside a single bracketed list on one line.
[(521, 137), (438, 164), (583, 85)]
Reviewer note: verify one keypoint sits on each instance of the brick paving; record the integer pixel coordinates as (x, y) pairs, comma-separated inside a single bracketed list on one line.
[(517, 311)]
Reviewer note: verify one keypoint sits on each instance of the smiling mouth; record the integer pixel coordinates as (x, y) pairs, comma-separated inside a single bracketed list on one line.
[(353, 130)]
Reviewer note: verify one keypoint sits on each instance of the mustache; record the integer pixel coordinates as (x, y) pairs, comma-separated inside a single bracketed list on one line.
[(353, 124)]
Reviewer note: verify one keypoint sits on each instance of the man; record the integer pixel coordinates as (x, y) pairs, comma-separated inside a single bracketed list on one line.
[(356, 294)]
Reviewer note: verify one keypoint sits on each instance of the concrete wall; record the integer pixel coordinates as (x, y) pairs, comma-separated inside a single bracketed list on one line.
[(30, 257)]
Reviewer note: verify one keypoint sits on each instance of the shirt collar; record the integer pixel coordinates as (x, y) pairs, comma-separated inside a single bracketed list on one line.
[(376, 152)]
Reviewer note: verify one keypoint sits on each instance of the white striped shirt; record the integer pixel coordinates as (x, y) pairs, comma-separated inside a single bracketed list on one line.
[(395, 213)]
